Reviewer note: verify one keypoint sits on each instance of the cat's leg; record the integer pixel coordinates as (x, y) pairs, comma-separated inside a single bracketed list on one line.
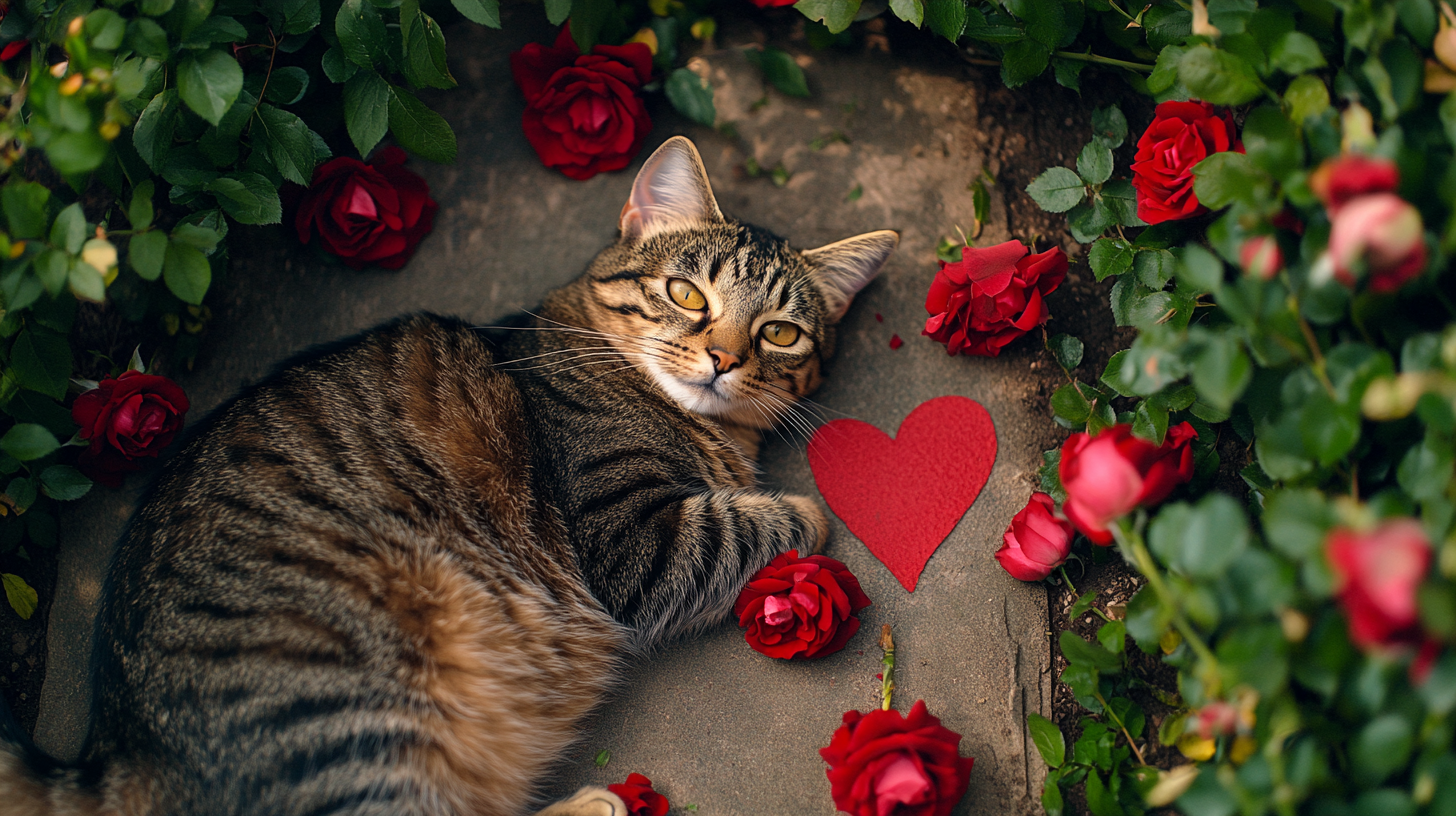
[(589, 801)]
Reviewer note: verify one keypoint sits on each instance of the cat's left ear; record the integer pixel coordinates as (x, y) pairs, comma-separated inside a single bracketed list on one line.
[(671, 193), (843, 268)]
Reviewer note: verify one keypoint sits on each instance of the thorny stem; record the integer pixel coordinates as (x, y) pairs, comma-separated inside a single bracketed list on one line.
[(1140, 67), (1132, 546), (1131, 743), (272, 55), (887, 685)]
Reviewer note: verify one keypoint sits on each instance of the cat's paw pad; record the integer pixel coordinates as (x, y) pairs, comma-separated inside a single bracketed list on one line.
[(589, 801), (809, 510)]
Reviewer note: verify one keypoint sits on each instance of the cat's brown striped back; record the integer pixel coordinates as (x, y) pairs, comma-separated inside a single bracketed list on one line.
[(393, 577)]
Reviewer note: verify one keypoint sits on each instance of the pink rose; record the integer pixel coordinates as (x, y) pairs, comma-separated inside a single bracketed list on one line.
[(991, 297), (1037, 541), (1108, 475), (1380, 235), (1376, 577), (1260, 257)]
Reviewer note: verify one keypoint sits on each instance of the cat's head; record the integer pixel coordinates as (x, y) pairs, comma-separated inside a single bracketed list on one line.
[(727, 318)]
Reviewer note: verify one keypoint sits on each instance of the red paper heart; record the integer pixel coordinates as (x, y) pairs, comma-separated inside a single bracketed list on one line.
[(903, 496)]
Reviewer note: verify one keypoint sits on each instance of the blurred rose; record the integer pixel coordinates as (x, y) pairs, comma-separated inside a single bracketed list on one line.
[(1379, 236), (1343, 178), (1037, 541), (1108, 475), (1376, 577), (1260, 257)]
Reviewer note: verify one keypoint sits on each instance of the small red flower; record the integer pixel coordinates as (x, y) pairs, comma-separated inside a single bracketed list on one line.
[(1182, 135), (800, 607), (584, 112), (991, 297), (1037, 542), (1340, 180), (375, 213), (640, 798), (1108, 475), (882, 763), (127, 418)]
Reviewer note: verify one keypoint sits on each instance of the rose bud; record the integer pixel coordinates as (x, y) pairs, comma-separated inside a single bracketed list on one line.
[(800, 607), (375, 213), (1108, 475), (1181, 135), (1339, 180), (1037, 542), (1376, 575), (639, 797), (1260, 257), (882, 763), (1383, 233), (1217, 719), (126, 419), (991, 296)]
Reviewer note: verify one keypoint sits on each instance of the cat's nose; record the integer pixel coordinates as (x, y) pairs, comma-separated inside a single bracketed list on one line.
[(724, 361)]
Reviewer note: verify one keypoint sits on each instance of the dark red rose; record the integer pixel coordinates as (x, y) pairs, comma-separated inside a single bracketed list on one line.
[(375, 213), (1037, 541), (583, 113), (1339, 180), (131, 417), (1108, 475), (640, 798), (1182, 134), (800, 607), (1377, 574), (991, 296), (881, 763)]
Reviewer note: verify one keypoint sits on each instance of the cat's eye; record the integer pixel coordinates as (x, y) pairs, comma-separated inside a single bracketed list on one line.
[(686, 295), (780, 333)]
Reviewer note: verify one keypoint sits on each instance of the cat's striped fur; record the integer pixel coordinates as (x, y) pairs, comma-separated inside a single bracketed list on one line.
[(393, 577)]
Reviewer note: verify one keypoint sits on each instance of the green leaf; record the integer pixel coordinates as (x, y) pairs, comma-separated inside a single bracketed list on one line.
[(419, 129), (146, 252), (1080, 652), (187, 273), (288, 142), (1082, 680), (247, 197), (1201, 540), (25, 204), (105, 29), (1306, 96), (366, 110), (1383, 747), (602, 758), (1094, 163), (41, 361), (1066, 349), (287, 85), (482, 12), (946, 17), (1200, 269), (147, 38), (69, 230), (691, 95), (1051, 798), (1101, 801), (1109, 127), (1057, 190), (557, 11), (28, 441), (588, 18), (293, 16), (336, 68), (202, 238), (1150, 421), (64, 483), (1113, 636), (1048, 739), (1068, 403), (208, 82), (1110, 256), (1068, 73), (1154, 267), (1023, 61), (140, 211), (1221, 370), (423, 47), (216, 30), (360, 30), (780, 69), (1164, 77), (155, 8), (838, 14), (1328, 430), (86, 283), (1426, 469), (74, 153), (911, 11), (1271, 141), (23, 599), (51, 268), (1223, 178), (1046, 21), (1218, 76), (1296, 53), (1147, 619)]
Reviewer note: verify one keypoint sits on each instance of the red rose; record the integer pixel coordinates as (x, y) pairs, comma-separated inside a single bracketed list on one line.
[(1376, 577), (1344, 178), (131, 417), (1380, 236), (800, 607), (881, 763), (640, 798), (583, 113), (375, 213), (1182, 134), (1037, 541), (1108, 475), (991, 296), (1261, 257)]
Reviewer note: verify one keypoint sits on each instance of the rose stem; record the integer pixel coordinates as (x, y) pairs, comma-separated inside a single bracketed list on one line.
[(887, 685), (1076, 594), (1137, 552)]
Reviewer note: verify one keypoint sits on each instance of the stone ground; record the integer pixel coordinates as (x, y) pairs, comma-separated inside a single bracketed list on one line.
[(710, 721)]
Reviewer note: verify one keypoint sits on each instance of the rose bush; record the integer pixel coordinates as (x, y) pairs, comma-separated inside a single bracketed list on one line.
[(800, 607), (1037, 541), (639, 797), (127, 419), (991, 297), (884, 763), (584, 112), (1182, 135), (1108, 475), (375, 213)]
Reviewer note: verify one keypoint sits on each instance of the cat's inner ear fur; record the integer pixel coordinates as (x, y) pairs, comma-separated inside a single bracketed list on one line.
[(843, 268), (671, 193)]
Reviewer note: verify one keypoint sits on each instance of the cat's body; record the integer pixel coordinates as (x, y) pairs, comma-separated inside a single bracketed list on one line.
[(395, 576)]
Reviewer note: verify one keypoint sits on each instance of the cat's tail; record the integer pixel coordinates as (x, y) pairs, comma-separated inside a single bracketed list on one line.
[(34, 784)]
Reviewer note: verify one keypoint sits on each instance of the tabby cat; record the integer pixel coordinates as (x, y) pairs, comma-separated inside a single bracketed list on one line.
[(392, 578)]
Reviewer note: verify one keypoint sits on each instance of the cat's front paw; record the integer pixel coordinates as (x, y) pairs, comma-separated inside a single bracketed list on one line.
[(813, 515), (589, 801)]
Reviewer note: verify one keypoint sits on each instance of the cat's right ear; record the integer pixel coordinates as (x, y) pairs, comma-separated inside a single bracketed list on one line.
[(671, 192)]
